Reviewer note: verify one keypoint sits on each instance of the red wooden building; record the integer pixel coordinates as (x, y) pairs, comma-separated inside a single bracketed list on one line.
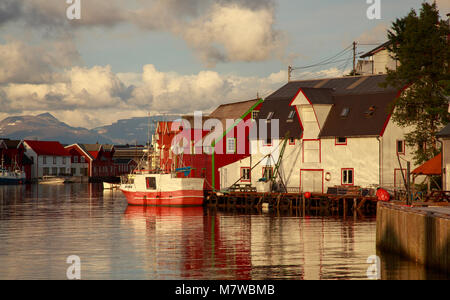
[(163, 142), (92, 160), (12, 156), (229, 149)]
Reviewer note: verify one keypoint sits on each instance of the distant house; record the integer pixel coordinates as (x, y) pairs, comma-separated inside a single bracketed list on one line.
[(92, 160), (12, 156), (376, 61), (342, 134), (49, 158)]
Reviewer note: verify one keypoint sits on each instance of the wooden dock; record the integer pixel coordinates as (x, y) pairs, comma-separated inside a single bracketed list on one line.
[(317, 204)]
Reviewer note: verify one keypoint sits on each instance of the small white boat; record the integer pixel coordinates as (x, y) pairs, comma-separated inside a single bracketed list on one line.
[(51, 180), (12, 177), (110, 186)]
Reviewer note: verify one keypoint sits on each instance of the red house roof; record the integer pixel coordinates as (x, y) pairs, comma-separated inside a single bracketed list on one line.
[(431, 167), (47, 148)]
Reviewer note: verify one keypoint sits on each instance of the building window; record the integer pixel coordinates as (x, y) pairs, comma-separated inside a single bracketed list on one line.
[(151, 183), (231, 145), (62, 171), (54, 171), (400, 147), (267, 172), (255, 114), (44, 160), (46, 171), (82, 159), (246, 175), (341, 141), (64, 160), (291, 115), (203, 175), (54, 160), (347, 176), (75, 159)]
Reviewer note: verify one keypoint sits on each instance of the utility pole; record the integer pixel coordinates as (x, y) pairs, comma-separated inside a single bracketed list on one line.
[(290, 69), (354, 58)]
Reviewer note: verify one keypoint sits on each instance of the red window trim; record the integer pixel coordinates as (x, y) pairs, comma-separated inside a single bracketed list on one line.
[(264, 168), (342, 177), (404, 147), (242, 174), (314, 170), (320, 149), (336, 143)]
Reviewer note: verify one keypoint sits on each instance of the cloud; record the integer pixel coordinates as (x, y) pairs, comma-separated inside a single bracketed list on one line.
[(90, 97), (218, 31), (377, 34), (444, 7), (234, 33), (23, 63)]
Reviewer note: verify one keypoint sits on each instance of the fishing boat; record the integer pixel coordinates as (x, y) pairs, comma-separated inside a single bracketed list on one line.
[(144, 188), (12, 177)]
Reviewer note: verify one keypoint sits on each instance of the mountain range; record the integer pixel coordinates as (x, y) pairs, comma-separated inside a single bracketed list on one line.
[(46, 127)]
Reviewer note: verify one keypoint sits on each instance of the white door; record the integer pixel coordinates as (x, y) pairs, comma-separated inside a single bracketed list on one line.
[(311, 181)]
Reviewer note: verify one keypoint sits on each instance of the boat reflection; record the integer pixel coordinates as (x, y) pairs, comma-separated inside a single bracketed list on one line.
[(197, 236)]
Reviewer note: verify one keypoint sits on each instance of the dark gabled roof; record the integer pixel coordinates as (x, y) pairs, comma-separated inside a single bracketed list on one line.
[(341, 85), (232, 110), (358, 122), (319, 96), (445, 132), (281, 110), (12, 144), (375, 50)]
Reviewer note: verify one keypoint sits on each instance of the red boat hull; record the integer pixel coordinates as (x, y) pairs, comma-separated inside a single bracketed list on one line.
[(173, 198)]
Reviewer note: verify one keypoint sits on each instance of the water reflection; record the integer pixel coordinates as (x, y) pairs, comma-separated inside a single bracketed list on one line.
[(41, 225)]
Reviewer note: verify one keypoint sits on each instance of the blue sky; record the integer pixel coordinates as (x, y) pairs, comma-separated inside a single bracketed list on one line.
[(125, 59)]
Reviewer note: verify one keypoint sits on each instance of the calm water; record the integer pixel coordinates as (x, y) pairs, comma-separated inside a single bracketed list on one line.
[(40, 226)]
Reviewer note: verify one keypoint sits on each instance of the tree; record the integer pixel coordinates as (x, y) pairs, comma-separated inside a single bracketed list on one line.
[(420, 44)]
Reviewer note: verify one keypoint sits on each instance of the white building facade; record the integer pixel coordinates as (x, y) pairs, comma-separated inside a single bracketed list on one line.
[(347, 138)]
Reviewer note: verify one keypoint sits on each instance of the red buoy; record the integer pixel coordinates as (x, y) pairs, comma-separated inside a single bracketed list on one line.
[(383, 195), (307, 195)]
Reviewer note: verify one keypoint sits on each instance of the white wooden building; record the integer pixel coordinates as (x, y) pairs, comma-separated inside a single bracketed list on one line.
[(49, 158), (344, 136)]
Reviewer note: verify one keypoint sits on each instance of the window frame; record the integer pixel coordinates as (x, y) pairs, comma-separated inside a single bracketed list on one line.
[(403, 147), (249, 179), (337, 143), (342, 176), (228, 151)]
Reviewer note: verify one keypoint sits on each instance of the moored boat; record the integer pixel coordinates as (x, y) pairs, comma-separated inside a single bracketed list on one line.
[(146, 189), (12, 177), (51, 180)]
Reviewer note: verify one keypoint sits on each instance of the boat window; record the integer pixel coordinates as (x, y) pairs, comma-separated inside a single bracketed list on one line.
[(151, 183)]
